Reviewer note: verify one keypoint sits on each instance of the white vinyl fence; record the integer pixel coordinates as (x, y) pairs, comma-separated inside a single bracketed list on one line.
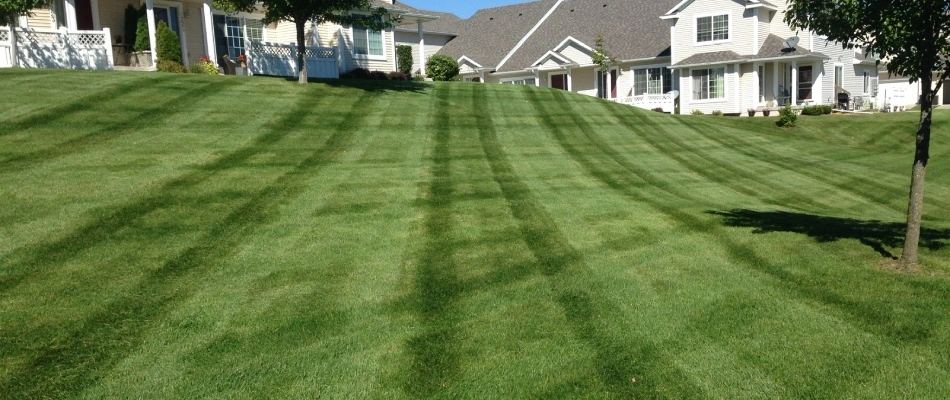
[(277, 59), (49, 48), (665, 101)]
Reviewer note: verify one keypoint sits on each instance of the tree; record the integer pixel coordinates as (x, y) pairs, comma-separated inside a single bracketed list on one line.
[(10, 12), (601, 56), (912, 37), (302, 12)]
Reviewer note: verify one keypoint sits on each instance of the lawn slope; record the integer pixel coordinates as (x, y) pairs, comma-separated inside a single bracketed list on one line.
[(173, 236)]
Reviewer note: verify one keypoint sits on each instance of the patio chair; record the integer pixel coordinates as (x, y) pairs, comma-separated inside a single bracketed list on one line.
[(227, 64)]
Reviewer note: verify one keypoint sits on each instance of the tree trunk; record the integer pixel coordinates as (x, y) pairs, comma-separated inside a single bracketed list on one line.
[(14, 50), (921, 156), (301, 51)]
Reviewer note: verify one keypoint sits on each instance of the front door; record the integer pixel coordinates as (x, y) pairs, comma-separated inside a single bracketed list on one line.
[(558, 82), (946, 92), (84, 21)]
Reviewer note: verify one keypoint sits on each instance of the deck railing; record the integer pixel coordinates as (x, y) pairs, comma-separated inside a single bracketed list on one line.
[(51, 48)]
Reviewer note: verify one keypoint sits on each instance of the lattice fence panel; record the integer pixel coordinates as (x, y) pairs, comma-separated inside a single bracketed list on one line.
[(43, 38), (4, 36), (321, 52), (87, 39), (280, 51)]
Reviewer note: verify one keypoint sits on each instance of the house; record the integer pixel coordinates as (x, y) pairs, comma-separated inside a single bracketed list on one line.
[(733, 55), (896, 91), (552, 43), (87, 34)]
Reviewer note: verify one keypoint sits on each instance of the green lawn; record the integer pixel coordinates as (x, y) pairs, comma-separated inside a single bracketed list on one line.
[(174, 236)]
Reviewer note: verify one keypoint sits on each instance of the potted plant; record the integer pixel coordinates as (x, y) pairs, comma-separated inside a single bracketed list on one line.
[(751, 112), (241, 68), (766, 111)]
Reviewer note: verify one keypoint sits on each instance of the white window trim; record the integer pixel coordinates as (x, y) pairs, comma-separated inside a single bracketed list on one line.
[(368, 57), (259, 17), (725, 87), (696, 18), (520, 78), (181, 26), (633, 77)]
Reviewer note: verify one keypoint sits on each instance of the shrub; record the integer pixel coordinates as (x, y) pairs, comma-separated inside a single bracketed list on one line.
[(398, 76), (142, 39), (404, 58), (169, 46), (442, 68), (787, 117), (131, 24), (812, 110), (658, 109), (717, 113), (359, 73), (170, 66), (378, 76), (697, 112), (203, 66), (826, 109)]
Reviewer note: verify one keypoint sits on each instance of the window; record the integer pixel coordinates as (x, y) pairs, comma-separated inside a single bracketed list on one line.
[(805, 82), (709, 84), (235, 27), (712, 29), (367, 42), (839, 76), (652, 81), (520, 81)]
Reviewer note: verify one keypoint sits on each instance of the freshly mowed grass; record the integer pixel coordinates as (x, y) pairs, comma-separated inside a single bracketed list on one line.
[(171, 236)]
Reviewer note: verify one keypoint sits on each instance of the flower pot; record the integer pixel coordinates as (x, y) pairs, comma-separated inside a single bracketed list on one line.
[(240, 71), (766, 112), (751, 113)]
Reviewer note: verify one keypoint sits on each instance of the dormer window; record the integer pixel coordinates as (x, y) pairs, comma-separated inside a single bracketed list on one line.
[(713, 28)]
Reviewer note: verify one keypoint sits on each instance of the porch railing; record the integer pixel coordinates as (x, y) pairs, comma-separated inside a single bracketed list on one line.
[(277, 59), (50, 48), (650, 101)]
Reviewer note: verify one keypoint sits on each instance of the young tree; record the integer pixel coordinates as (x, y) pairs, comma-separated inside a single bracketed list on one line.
[(10, 12), (913, 38), (302, 12)]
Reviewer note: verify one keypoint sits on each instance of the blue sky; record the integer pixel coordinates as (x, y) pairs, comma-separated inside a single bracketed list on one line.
[(462, 8)]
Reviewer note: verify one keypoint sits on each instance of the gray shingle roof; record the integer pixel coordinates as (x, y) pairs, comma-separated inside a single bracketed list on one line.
[(447, 22), (488, 35), (772, 49), (632, 29)]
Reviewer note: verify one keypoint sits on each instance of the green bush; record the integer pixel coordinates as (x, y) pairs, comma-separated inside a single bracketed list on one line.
[(131, 24), (717, 113), (442, 68), (787, 117), (811, 110), (658, 109), (697, 112), (203, 66), (826, 109), (142, 39), (169, 46), (170, 66), (404, 58)]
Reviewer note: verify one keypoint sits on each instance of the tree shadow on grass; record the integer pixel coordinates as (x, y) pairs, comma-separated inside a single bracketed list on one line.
[(874, 234), (376, 86)]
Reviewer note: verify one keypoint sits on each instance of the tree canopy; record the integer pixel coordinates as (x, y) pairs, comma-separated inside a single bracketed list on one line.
[(301, 12), (11, 9), (912, 38)]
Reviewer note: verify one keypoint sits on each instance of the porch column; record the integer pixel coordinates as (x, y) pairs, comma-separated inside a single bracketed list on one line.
[(756, 84), (610, 84), (570, 80), (738, 88), (816, 89), (794, 86), (537, 78), (150, 15), (775, 93), (70, 11), (208, 24), (481, 77), (422, 48)]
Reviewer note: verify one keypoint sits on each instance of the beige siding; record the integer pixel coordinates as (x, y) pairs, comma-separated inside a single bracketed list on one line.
[(748, 89), (193, 26), (740, 29), (41, 18), (112, 16), (351, 62), (433, 43), (578, 55), (585, 81)]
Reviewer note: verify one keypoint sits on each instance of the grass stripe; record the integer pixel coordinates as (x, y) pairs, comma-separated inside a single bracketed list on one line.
[(434, 355), (575, 291), (84, 142), (55, 114), (83, 355)]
